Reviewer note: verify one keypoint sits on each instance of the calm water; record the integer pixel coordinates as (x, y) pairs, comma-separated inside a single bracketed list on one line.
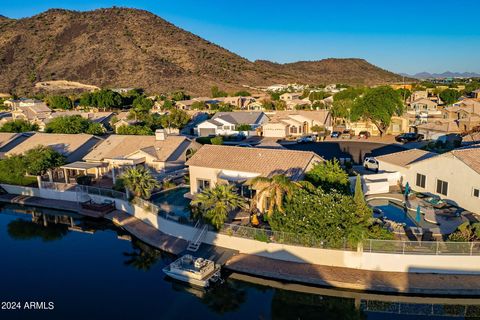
[(89, 273)]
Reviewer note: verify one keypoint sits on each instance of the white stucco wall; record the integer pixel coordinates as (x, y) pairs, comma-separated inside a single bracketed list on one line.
[(461, 180), (338, 258)]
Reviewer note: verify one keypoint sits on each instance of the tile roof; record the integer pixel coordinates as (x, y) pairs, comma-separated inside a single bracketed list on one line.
[(407, 157), (66, 144), (265, 162), (441, 126), (240, 117), (470, 156), (6, 137), (119, 146)]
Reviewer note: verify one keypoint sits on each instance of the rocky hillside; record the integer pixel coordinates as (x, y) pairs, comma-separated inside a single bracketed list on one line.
[(133, 48)]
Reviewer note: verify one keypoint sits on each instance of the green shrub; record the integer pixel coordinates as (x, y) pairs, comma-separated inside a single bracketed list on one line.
[(218, 140)]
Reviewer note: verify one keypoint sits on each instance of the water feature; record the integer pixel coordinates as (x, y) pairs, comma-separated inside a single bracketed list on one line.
[(90, 270)]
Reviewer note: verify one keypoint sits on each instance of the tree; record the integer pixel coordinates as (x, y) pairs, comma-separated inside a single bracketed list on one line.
[(199, 105), (348, 94), (218, 140), (450, 96), (216, 93), (18, 125), (358, 197), (329, 176), (270, 192), (242, 93), (104, 99), (341, 109), (42, 160), (215, 203), (317, 129), (139, 181), (244, 127), (141, 108), (168, 104), (73, 125), (137, 130), (316, 216), (179, 96), (175, 119), (378, 105), (13, 169), (60, 102), (404, 93)]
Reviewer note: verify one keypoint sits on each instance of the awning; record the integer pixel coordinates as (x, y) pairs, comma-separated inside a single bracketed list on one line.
[(80, 165)]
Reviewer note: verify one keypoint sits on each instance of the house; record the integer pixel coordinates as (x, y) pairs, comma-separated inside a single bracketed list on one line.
[(423, 108), (161, 153), (241, 103), (417, 95), (290, 96), (98, 117), (9, 140), (188, 104), (476, 94), (33, 111), (437, 128), (212, 165), (454, 176), (73, 146), (226, 123), (401, 161), (284, 124)]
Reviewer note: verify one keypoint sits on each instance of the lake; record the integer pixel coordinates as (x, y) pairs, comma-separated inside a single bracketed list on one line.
[(90, 269)]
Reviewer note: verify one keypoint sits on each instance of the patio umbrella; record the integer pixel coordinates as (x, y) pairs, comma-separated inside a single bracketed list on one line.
[(418, 218), (407, 190)]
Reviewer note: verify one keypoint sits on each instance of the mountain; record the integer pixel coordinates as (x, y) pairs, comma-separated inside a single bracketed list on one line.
[(121, 47), (447, 74)]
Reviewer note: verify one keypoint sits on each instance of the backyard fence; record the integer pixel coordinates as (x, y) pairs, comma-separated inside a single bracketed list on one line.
[(267, 235)]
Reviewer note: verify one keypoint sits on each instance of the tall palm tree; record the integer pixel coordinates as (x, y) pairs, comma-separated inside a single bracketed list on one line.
[(271, 192), (215, 203), (140, 181)]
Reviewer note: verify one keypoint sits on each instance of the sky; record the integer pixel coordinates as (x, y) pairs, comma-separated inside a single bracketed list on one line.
[(407, 36)]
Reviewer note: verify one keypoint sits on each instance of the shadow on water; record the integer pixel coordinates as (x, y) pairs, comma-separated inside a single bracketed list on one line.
[(240, 296)]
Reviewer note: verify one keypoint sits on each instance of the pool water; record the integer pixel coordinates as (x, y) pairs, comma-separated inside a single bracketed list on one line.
[(395, 213), (173, 201)]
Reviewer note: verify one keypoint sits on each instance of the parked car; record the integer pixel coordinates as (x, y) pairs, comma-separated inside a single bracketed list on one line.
[(409, 137), (306, 139), (370, 163), (335, 134), (363, 135), (347, 134)]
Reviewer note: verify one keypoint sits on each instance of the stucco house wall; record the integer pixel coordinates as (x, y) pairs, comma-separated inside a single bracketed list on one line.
[(460, 177)]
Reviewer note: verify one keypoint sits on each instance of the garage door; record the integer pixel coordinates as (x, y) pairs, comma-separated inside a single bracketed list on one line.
[(203, 132)]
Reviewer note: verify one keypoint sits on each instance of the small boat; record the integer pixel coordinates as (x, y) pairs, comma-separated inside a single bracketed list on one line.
[(195, 271)]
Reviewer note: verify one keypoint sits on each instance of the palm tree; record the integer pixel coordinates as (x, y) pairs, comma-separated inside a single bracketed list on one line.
[(215, 203), (140, 181), (272, 191)]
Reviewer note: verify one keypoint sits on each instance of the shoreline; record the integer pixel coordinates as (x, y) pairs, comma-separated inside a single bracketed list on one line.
[(291, 272)]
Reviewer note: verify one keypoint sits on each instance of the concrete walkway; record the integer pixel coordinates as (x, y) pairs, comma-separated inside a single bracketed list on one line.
[(147, 233), (48, 203), (393, 282)]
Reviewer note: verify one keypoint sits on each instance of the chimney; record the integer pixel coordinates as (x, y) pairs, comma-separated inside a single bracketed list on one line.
[(160, 135)]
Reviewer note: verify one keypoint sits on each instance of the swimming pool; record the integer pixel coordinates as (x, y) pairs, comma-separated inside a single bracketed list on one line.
[(173, 201), (395, 212)]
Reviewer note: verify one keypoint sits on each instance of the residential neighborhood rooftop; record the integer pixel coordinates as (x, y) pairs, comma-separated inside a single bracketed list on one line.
[(65, 144), (239, 117), (470, 156), (266, 162), (117, 146), (407, 157)]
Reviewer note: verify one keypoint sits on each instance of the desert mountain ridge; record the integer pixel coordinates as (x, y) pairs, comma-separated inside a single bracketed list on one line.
[(122, 47)]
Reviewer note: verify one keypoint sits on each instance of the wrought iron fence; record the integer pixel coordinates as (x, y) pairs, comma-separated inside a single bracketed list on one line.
[(267, 235)]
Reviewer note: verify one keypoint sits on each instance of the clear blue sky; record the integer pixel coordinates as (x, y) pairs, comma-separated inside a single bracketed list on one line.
[(402, 36)]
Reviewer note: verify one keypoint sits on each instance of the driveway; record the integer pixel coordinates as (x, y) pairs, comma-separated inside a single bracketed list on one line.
[(353, 149)]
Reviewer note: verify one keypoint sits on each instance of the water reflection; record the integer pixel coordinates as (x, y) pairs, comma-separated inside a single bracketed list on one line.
[(240, 296)]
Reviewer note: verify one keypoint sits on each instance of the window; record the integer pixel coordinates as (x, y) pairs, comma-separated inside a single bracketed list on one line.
[(421, 180), (442, 187), (476, 193), (202, 184)]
